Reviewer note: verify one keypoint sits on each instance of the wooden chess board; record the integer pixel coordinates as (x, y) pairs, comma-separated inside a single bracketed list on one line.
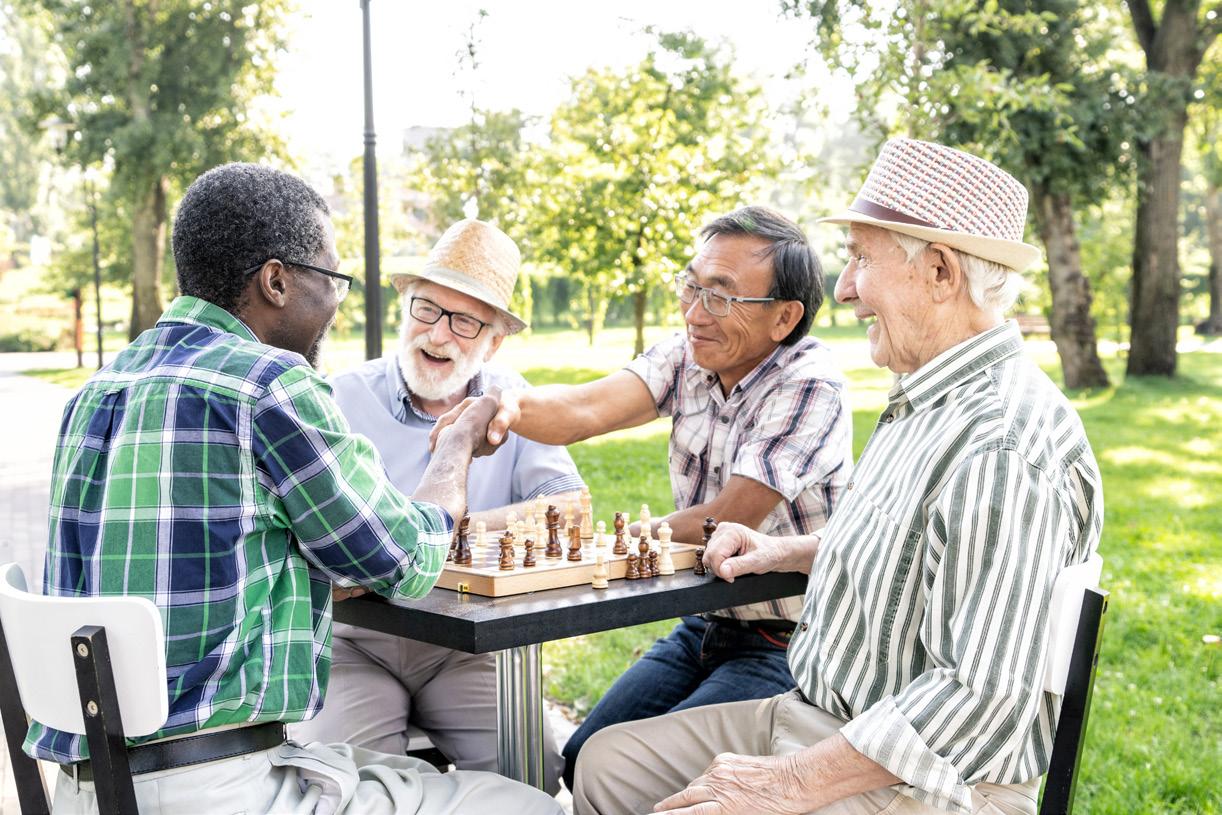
[(485, 577)]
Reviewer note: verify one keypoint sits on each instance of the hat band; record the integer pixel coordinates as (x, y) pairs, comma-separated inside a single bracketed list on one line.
[(877, 211)]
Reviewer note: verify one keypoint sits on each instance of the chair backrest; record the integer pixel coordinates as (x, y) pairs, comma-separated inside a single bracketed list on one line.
[(39, 633), (1063, 613)]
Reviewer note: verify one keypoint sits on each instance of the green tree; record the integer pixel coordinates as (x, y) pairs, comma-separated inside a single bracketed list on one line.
[(1207, 136), (1024, 83), (1174, 44), (637, 162), (160, 89)]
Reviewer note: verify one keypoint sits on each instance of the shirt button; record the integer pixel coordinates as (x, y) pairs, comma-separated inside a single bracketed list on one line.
[(724, 420), (887, 419), (850, 485), (717, 470), (804, 626)]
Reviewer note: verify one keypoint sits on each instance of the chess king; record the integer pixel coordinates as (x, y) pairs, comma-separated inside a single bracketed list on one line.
[(923, 639), (455, 317), (760, 436)]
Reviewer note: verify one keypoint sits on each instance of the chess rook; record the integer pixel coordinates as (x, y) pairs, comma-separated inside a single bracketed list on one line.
[(574, 542), (506, 560)]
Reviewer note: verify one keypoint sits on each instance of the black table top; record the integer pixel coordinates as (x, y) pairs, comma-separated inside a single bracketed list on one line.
[(477, 625)]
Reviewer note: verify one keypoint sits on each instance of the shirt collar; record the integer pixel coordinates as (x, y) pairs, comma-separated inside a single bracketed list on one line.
[(401, 395), (698, 375), (187, 309), (957, 364)]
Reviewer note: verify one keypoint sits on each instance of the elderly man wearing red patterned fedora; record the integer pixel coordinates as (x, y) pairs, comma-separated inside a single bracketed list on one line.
[(922, 642)]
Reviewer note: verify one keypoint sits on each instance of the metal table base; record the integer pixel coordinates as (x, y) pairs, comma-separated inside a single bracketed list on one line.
[(519, 704)]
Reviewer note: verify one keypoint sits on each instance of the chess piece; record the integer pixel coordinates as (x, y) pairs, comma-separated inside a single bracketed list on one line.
[(653, 565), (621, 545), (481, 535), (506, 561), (646, 521), (665, 564), (553, 549), (575, 542), (511, 518), (462, 551), (600, 535), (587, 516), (643, 546), (600, 572), (530, 529), (699, 569), (529, 560), (568, 513), (633, 573), (710, 526)]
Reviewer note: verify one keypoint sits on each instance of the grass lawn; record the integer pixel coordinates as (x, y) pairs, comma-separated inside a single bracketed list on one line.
[(1155, 737)]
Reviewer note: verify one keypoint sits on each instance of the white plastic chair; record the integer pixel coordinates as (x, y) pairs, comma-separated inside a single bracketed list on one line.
[(1075, 621), (73, 663)]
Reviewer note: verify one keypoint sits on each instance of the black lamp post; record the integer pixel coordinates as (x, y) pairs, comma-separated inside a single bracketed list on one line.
[(373, 282), (97, 267)]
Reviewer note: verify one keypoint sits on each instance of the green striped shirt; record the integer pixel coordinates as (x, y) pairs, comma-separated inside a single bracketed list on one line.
[(215, 476), (925, 620)]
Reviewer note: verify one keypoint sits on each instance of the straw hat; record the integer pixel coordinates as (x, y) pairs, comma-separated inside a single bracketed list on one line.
[(945, 196), (474, 258)]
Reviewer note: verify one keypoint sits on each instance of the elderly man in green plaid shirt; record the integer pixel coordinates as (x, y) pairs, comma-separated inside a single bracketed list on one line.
[(208, 469)]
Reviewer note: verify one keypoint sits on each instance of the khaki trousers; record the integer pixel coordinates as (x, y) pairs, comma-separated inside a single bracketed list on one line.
[(630, 767), (380, 682), (320, 779)]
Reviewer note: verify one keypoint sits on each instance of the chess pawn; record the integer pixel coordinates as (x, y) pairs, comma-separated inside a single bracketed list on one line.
[(506, 561), (529, 560), (530, 529), (710, 526), (462, 551), (568, 513), (553, 549), (600, 535), (643, 546), (600, 572), (632, 573), (698, 568), (653, 565), (481, 535), (646, 521), (587, 516), (511, 518), (621, 545), (665, 564), (575, 542)]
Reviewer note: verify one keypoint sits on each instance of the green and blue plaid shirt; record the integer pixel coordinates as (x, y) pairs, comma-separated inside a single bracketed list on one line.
[(215, 476)]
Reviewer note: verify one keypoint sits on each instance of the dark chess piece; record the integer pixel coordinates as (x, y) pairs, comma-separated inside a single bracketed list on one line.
[(643, 546), (553, 549), (653, 564), (462, 551), (621, 545), (575, 543), (699, 569), (710, 526), (632, 573), (529, 560), (506, 562)]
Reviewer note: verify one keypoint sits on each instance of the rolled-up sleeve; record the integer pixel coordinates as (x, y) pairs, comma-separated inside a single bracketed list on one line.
[(334, 496), (660, 368), (997, 536), (800, 439)]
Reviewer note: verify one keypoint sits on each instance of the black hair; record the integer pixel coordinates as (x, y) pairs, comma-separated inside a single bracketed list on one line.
[(796, 272), (237, 216)]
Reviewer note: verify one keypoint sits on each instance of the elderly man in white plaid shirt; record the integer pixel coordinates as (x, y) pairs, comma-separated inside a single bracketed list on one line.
[(761, 436)]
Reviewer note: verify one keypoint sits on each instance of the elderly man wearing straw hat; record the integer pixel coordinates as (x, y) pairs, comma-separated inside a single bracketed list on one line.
[(923, 636), (455, 316)]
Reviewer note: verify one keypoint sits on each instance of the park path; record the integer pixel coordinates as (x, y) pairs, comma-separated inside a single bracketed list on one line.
[(30, 411)]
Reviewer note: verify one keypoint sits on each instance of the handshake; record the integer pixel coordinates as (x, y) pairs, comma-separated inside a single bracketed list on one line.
[(478, 424)]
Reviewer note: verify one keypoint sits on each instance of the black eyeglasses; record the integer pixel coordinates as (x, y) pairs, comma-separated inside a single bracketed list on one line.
[(714, 303), (343, 282), (461, 325)]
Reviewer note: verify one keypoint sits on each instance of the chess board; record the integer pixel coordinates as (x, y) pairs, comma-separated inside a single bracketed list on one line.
[(485, 577)]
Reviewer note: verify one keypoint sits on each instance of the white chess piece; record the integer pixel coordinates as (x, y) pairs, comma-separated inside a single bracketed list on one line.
[(510, 519), (530, 526), (481, 535), (568, 514), (587, 516), (599, 580), (665, 564), (600, 535), (646, 519)]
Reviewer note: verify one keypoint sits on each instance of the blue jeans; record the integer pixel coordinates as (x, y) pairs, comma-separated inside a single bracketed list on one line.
[(701, 662)]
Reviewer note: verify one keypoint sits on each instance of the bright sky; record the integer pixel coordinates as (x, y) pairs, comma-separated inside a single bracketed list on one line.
[(530, 49)]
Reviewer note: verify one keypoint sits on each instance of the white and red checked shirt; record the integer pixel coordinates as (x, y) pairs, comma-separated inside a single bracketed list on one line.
[(786, 425)]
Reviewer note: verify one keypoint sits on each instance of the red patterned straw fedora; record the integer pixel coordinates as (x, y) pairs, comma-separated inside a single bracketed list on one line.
[(943, 195), (477, 259)]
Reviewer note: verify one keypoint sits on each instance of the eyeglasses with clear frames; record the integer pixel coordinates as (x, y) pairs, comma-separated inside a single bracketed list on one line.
[(461, 325), (714, 303), (343, 282)]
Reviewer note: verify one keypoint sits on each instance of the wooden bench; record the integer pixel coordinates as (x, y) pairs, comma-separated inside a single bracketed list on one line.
[(1033, 324)]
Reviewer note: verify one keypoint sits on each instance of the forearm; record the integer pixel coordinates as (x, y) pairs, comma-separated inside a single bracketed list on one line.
[(495, 518), (444, 481), (833, 770), (558, 414)]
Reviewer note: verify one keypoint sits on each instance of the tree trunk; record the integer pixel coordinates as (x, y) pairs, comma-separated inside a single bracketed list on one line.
[(639, 299), (1213, 228), (148, 249), (1155, 304), (78, 328), (1073, 327)]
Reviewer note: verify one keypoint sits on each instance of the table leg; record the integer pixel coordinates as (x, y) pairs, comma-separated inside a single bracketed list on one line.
[(519, 707)]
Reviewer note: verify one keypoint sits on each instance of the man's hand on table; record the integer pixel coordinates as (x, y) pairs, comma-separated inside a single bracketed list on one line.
[(736, 550), (742, 785), (503, 411)]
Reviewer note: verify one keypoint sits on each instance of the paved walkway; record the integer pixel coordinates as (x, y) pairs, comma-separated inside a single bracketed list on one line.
[(30, 411)]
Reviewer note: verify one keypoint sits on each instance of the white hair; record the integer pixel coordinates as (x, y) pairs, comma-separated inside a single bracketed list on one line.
[(498, 325), (992, 287)]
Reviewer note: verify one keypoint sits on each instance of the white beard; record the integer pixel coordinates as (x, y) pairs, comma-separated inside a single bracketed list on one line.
[(432, 385)]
